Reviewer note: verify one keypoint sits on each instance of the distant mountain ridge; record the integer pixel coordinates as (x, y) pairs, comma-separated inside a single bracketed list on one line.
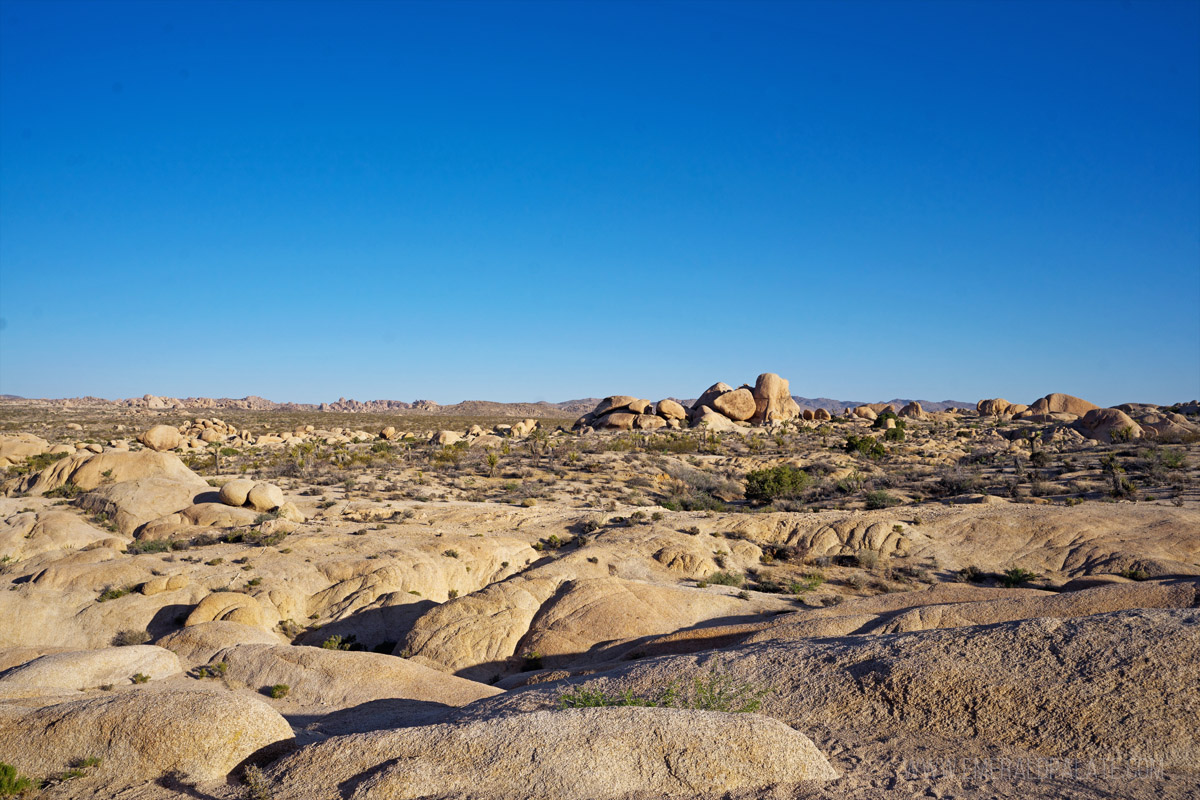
[(466, 408)]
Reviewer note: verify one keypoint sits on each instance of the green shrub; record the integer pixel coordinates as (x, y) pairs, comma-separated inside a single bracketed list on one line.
[(130, 637), (112, 593), (67, 490), (1135, 574), (881, 499), (866, 446), (140, 678), (727, 579), (278, 691), (783, 480), (1016, 576), (714, 691), (337, 642), (12, 783)]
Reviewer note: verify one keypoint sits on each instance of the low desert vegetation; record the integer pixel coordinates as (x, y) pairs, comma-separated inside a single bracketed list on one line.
[(714, 690)]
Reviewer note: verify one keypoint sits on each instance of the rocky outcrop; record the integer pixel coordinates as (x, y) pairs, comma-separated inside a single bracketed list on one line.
[(574, 754), (142, 734), (719, 408)]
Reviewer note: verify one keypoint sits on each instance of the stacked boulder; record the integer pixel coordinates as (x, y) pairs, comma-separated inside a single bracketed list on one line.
[(720, 407)]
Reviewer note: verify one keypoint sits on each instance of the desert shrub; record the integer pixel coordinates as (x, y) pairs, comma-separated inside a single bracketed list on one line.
[(259, 785), (278, 691), (1135, 574), (1016, 576), (36, 463), (953, 481), (971, 574), (866, 446), (714, 691), (216, 670), (895, 434), (726, 579), (67, 490), (337, 642), (12, 783), (140, 678), (156, 546), (881, 499), (783, 480), (130, 637), (112, 593), (867, 559)]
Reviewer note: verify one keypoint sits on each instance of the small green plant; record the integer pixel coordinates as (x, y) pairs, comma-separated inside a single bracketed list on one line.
[(450, 553), (337, 642), (1015, 577), (112, 593), (12, 783), (258, 785), (157, 546), (1135, 574), (140, 678), (453, 593), (713, 691), (216, 670), (532, 660), (726, 579), (278, 691)]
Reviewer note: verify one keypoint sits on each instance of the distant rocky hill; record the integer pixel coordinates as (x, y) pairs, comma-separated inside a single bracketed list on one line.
[(841, 406), (467, 408)]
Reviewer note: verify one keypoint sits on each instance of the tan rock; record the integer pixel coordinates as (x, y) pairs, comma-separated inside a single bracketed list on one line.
[(822, 415), (164, 584), (88, 471), (265, 497), (913, 410), (1062, 404), (712, 393), (739, 404), (773, 399), (1103, 424), (444, 438), (616, 402), (131, 504), (289, 512), (618, 420), (993, 408), (87, 669), (142, 735), (864, 412), (233, 607), (236, 492), (161, 437), (16, 447), (574, 754), (389, 433), (648, 422), (669, 409)]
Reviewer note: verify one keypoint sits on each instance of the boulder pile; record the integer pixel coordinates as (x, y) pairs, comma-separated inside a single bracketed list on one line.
[(1078, 416), (721, 407)]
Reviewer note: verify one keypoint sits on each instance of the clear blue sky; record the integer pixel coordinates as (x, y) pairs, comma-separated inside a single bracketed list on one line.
[(549, 200)]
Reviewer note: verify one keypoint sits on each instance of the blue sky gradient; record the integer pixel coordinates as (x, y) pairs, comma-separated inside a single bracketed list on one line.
[(542, 201)]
